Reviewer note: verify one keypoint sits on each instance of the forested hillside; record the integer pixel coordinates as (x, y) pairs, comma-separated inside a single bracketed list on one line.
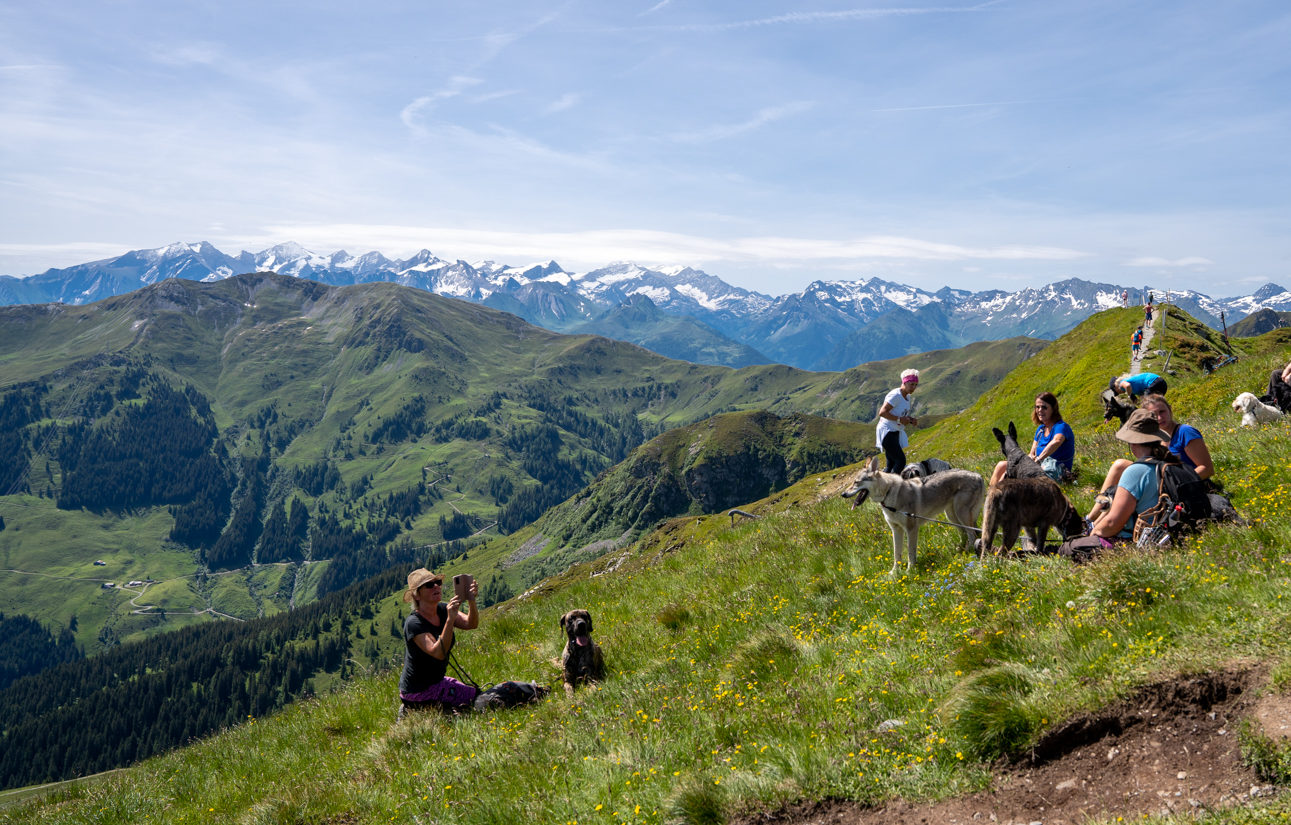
[(313, 436)]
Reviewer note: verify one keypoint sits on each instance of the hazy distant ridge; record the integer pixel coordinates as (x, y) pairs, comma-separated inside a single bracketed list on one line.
[(829, 325)]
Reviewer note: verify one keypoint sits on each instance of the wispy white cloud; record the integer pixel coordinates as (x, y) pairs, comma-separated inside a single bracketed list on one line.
[(656, 7), (1169, 263), (841, 15), (491, 96), (190, 54), (566, 101), (413, 115), (940, 106), (729, 130), (597, 247)]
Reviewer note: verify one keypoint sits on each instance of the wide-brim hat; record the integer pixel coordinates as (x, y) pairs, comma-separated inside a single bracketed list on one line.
[(417, 578), (1142, 428)]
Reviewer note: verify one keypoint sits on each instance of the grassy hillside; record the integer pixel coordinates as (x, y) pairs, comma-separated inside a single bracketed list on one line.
[(775, 661), (706, 467), (394, 419), (1077, 366), (1259, 323)]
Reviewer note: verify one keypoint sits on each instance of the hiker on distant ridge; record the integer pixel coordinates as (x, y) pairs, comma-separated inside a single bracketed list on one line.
[(894, 415)]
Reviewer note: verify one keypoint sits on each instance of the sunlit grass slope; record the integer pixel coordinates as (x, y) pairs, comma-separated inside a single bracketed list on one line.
[(769, 661)]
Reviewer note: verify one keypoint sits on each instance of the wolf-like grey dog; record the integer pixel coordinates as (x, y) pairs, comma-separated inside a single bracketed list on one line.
[(907, 502), (1035, 504), (925, 468), (1021, 465)]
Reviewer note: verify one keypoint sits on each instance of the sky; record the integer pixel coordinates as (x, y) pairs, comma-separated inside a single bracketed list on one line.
[(977, 145)]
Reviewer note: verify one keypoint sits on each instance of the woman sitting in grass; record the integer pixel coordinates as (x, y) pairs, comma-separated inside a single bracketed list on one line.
[(428, 639), (1054, 447), (1136, 490), (1186, 445)]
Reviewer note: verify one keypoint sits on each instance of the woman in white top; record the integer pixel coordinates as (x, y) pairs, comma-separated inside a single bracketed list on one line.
[(894, 415)]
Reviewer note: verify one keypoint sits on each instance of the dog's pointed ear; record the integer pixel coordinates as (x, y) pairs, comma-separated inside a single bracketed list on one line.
[(873, 466), (1013, 431), (999, 434)]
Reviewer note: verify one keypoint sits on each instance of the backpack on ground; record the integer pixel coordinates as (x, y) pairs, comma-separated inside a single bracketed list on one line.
[(1183, 502), (509, 695)]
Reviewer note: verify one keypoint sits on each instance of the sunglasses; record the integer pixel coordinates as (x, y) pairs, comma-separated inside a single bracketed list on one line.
[(435, 583)]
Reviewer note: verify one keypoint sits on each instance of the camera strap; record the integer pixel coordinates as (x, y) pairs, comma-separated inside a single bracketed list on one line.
[(461, 671)]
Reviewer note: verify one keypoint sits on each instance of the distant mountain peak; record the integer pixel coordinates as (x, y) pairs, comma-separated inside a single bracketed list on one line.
[(799, 329), (1269, 290)]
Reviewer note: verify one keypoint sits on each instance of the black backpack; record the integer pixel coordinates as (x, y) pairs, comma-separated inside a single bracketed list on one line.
[(1183, 499), (509, 695)]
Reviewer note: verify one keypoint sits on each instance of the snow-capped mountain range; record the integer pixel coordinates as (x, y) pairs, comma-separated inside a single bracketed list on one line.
[(830, 325)]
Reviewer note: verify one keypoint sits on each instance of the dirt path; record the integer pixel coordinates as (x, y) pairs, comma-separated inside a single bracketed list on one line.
[(1149, 330), (1171, 748)]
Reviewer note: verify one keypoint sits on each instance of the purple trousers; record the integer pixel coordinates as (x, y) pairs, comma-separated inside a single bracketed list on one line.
[(447, 691)]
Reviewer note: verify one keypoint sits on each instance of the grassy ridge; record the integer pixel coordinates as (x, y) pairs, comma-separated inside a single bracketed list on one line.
[(771, 661)]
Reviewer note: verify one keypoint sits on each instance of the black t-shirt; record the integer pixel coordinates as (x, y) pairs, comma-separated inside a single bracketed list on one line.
[(420, 669)]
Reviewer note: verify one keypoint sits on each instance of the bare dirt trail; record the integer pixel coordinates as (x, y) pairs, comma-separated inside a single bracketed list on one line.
[(1172, 748)]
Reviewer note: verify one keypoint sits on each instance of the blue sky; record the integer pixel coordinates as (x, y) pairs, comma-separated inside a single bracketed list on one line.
[(978, 145)]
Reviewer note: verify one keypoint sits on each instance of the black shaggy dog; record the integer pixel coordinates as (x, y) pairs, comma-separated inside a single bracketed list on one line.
[(1033, 504), (582, 660), (925, 468), (1021, 465)]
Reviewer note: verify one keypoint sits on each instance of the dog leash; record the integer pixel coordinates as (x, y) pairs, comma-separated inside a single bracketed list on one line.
[(926, 518)]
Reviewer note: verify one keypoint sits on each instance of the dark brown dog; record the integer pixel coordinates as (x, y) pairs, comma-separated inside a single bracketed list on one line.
[(1021, 464), (582, 661), (1033, 504)]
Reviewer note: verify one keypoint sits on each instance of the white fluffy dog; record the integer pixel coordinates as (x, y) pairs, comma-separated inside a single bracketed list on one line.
[(1254, 411)]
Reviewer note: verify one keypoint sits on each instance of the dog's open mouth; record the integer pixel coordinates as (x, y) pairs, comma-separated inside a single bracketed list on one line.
[(582, 641), (860, 495)]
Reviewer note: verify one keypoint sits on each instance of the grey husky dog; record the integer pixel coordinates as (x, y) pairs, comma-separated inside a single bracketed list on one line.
[(906, 502)]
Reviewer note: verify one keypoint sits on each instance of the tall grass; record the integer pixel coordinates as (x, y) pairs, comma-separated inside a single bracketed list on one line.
[(761, 663)]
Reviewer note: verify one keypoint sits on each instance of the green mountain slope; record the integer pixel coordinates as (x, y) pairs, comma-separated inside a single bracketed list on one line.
[(718, 463), (1258, 323), (638, 320), (292, 438), (769, 662), (1077, 367)]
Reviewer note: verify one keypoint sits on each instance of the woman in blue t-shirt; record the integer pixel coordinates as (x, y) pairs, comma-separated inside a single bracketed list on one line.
[(1136, 492), (1186, 445), (1054, 447)]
